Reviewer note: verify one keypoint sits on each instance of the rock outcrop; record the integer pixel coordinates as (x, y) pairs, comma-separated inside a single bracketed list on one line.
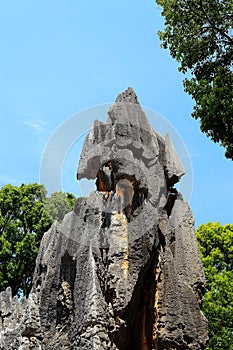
[(123, 269)]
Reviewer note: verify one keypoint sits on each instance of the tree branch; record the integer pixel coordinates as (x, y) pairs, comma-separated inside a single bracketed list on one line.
[(212, 25)]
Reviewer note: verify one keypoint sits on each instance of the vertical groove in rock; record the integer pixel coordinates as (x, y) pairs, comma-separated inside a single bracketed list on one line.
[(123, 270)]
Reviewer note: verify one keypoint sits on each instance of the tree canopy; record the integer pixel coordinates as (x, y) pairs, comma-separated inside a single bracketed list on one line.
[(26, 213), (199, 36), (58, 204), (216, 247)]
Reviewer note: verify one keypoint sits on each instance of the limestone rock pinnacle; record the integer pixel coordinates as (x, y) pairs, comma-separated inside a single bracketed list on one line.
[(128, 96), (123, 270)]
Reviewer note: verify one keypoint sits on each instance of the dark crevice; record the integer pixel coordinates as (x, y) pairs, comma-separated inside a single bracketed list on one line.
[(172, 180), (85, 216), (65, 296), (110, 294), (104, 256), (162, 240), (199, 290), (173, 238), (139, 316), (42, 269), (171, 197), (106, 219)]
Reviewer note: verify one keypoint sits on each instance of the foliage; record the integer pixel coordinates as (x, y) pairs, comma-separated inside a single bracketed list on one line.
[(58, 204), (25, 215), (216, 247), (199, 36)]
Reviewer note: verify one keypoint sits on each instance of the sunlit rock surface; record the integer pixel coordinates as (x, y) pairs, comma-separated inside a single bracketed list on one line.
[(123, 270)]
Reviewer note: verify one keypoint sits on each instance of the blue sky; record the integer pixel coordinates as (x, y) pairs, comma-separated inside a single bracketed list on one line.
[(59, 58)]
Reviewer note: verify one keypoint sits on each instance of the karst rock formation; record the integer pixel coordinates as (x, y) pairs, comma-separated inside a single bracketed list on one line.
[(123, 269)]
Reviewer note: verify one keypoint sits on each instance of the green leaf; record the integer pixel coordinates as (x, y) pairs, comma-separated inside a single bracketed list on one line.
[(199, 36), (216, 246), (25, 215)]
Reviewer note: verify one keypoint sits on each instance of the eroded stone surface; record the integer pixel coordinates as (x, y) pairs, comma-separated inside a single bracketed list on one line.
[(123, 270)]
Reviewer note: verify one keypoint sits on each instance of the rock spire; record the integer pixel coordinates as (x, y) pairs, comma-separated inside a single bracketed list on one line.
[(123, 270)]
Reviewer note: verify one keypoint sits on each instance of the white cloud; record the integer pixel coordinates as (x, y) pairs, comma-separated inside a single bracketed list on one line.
[(33, 119), (37, 125)]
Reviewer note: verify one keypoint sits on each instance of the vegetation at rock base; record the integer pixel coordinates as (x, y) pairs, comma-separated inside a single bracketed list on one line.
[(199, 36), (26, 213), (216, 247)]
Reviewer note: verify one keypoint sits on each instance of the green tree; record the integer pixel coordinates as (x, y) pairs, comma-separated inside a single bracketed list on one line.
[(216, 247), (23, 220), (58, 204), (25, 215), (199, 36)]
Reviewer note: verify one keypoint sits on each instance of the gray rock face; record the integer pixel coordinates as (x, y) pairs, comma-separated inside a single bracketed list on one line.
[(123, 270)]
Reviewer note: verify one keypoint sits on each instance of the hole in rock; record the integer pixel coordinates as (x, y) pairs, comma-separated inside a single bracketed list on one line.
[(171, 197), (121, 188), (86, 187)]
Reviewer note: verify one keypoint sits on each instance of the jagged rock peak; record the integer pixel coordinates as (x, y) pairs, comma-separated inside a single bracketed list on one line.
[(123, 270), (128, 96)]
